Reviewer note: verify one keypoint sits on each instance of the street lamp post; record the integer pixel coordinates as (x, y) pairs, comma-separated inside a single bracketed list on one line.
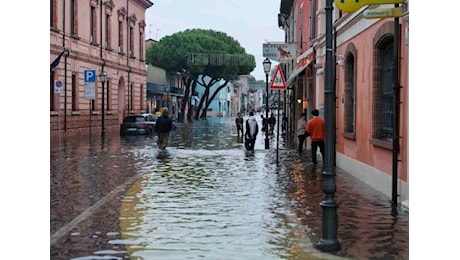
[(329, 206), (103, 78), (267, 64)]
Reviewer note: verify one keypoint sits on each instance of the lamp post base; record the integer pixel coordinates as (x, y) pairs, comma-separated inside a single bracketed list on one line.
[(328, 245)]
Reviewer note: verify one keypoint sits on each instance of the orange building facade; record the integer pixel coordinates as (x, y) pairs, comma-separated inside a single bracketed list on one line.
[(106, 36)]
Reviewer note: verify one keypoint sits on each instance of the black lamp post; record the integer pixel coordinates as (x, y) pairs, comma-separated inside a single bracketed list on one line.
[(103, 78), (329, 206), (267, 64)]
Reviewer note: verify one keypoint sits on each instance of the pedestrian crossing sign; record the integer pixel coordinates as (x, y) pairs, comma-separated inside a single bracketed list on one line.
[(278, 81)]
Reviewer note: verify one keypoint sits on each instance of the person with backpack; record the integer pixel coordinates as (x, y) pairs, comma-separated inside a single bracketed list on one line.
[(163, 126)]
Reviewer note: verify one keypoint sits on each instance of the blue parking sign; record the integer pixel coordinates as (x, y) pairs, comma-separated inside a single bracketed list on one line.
[(90, 75)]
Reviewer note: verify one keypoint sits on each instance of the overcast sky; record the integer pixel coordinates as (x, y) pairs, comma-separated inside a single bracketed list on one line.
[(250, 22)]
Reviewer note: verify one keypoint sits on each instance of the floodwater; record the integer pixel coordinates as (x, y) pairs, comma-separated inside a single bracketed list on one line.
[(205, 197)]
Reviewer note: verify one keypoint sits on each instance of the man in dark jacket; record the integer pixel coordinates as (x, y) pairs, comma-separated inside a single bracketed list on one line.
[(251, 132), (271, 123), (163, 126), (239, 124)]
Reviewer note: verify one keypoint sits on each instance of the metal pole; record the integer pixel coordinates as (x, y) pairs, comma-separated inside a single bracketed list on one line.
[(103, 112), (103, 81), (278, 128), (90, 112), (59, 118), (396, 96), (267, 145), (328, 241)]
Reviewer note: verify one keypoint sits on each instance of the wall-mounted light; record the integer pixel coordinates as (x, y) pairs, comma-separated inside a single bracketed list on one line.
[(299, 101), (340, 60)]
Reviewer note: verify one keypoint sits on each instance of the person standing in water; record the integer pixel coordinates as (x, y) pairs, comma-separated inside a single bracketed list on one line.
[(252, 129)]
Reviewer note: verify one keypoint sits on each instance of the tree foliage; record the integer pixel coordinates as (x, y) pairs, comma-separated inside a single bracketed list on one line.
[(197, 53)]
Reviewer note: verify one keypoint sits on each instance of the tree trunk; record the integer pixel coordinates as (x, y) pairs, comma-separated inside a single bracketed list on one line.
[(190, 110), (186, 99), (209, 100)]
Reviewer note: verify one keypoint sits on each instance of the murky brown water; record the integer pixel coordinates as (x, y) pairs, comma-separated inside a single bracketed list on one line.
[(206, 197)]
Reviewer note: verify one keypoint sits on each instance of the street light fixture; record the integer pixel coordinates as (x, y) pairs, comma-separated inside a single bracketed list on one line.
[(103, 78), (267, 64)]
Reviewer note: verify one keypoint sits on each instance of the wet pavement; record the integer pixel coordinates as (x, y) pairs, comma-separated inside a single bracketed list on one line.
[(206, 197)]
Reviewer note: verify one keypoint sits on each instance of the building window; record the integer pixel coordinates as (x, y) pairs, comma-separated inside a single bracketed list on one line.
[(386, 77), (52, 12), (382, 90), (141, 46), (132, 96), (109, 103), (141, 97), (93, 23), (131, 42), (52, 96), (120, 36), (107, 32), (350, 90), (74, 93), (73, 15), (313, 20)]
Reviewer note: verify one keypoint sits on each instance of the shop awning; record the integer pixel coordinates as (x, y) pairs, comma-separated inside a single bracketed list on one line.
[(295, 73), (305, 54), (299, 70)]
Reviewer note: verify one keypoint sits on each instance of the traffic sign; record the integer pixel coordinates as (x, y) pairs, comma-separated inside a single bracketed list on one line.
[(90, 75), (90, 84), (58, 86), (350, 6), (383, 12), (278, 81)]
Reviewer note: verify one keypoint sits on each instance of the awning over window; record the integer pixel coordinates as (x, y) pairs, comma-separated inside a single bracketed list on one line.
[(295, 73), (305, 54), (299, 70)]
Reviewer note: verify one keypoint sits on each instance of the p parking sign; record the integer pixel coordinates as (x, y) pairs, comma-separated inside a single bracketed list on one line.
[(90, 84)]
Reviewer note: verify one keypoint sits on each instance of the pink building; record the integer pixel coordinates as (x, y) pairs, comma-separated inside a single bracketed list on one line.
[(105, 36), (364, 74)]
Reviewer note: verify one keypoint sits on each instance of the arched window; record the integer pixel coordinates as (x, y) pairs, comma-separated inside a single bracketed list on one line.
[(350, 90), (383, 83)]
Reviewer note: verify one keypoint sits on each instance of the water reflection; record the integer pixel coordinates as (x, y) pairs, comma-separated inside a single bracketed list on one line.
[(205, 196)]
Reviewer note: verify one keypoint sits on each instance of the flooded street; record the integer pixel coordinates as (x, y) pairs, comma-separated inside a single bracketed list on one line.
[(205, 196)]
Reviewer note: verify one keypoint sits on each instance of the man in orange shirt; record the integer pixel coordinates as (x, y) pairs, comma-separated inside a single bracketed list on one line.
[(316, 127)]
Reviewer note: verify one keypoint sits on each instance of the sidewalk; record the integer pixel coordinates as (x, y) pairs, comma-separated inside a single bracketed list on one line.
[(366, 227)]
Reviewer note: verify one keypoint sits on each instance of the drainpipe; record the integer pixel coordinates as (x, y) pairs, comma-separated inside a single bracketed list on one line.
[(396, 101), (102, 71), (65, 70), (127, 57), (334, 86)]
